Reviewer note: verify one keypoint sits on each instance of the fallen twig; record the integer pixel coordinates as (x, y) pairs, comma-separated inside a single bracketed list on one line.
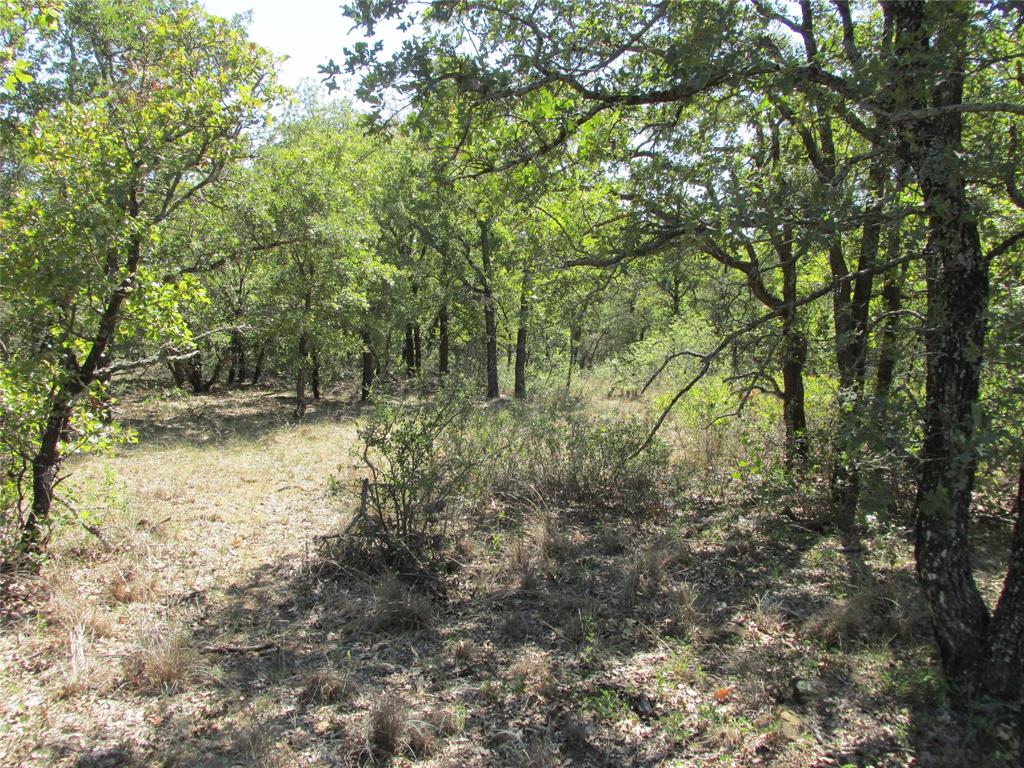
[(257, 648)]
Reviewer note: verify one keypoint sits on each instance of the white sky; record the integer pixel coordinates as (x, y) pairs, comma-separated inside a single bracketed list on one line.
[(309, 32)]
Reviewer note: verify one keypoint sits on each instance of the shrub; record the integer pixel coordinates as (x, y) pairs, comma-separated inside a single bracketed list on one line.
[(418, 468), (557, 453)]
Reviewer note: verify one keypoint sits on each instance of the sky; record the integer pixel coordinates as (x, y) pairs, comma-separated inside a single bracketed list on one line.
[(309, 32)]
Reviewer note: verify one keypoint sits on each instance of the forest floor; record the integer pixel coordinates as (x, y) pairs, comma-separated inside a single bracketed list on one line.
[(208, 627)]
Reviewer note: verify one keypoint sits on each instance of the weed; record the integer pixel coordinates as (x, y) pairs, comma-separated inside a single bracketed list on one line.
[(609, 705), (682, 666)]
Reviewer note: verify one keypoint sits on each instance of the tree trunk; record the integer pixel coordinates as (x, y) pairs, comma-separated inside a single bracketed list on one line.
[(315, 375), (521, 334), (958, 288), (442, 343), (408, 351), (892, 299), (300, 377), (368, 370), (1003, 674), (258, 370), (490, 312), (575, 337), (237, 372), (44, 472), (417, 349), (177, 370), (214, 376), (75, 379), (794, 349)]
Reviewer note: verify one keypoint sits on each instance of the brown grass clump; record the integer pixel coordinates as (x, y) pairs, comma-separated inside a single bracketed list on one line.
[(386, 726), (396, 607), (421, 739), (465, 652), (326, 686), (69, 608), (515, 625), (81, 672), (519, 555), (129, 585), (645, 574), (532, 672), (682, 611), (881, 612), (539, 752), (446, 722), (552, 543), (164, 660)]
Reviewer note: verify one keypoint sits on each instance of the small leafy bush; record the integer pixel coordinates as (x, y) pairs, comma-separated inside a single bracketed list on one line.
[(418, 467)]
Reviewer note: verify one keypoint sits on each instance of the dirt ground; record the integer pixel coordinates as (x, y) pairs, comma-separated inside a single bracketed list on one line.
[(208, 625)]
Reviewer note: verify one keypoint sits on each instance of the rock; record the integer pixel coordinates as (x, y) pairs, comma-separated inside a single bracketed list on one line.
[(790, 724), (808, 689)]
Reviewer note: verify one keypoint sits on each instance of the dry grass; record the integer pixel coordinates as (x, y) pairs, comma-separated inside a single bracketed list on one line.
[(881, 612), (164, 659), (465, 652), (129, 584), (68, 607), (327, 685), (446, 722), (682, 611), (550, 541), (386, 726), (228, 509), (397, 607), (539, 751), (532, 673), (421, 739)]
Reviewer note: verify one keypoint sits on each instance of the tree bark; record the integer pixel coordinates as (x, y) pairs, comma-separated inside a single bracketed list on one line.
[(794, 358), (521, 334), (257, 371), (417, 349), (315, 375), (442, 344), (892, 299), (1003, 674), (300, 376), (369, 369), (490, 312), (408, 351), (958, 289), (44, 471)]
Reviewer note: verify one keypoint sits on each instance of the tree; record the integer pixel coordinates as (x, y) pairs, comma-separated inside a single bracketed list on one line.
[(650, 62), (159, 97)]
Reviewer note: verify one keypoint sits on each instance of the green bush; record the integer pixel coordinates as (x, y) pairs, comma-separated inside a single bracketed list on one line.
[(417, 468)]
